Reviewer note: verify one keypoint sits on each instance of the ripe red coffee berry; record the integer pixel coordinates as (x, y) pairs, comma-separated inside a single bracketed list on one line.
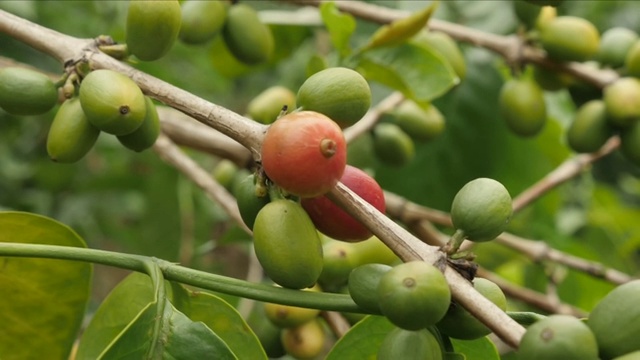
[(304, 153), (336, 223)]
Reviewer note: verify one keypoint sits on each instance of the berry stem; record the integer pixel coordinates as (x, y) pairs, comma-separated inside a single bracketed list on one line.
[(454, 243)]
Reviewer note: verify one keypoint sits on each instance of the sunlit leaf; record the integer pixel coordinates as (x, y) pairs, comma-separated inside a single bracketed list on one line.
[(400, 30), (417, 72), (340, 26), (363, 340), (42, 301)]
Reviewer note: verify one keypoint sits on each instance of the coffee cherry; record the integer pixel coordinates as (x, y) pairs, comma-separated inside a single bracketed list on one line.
[(481, 209), (266, 107), (363, 285), (286, 316), (406, 344), (152, 27), (558, 337), (632, 60), (421, 123), (570, 38), (340, 93), (614, 46), (615, 321), (26, 92), (305, 341), (336, 223), (248, 39), (622, 101), (445, 46), (201, 20), (391, 145), (112, 102), (146, 135), (71, 135), (304, 153), (590, 128), (287, 245), (522, 106), (414, 295)]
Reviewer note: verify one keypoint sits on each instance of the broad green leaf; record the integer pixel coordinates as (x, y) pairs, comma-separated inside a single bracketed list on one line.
[(339, 25), (117, 311), (42, 301), (170, 336), (399, 31), (362, 341), (222, 318), (419, 73), (454, 356), (478, 349)]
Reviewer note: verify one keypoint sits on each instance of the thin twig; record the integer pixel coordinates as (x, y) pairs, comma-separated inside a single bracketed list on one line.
[(531, 297), (338, 324), (372, 116), (184, 130), (171, 153), (569, 169)]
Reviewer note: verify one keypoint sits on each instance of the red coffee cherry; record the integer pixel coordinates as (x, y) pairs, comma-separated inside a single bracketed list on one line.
[(304, 153), (334, 222)]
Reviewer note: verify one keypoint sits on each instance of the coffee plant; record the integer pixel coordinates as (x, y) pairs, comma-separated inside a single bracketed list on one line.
[(308, 179)]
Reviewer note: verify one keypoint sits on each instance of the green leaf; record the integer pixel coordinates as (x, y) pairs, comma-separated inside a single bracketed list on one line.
[(43, 301), (363, 340), (123, 304), (178, 337), (222, 318), (399, 31), (478, 349), (417, 72), (340, 26)]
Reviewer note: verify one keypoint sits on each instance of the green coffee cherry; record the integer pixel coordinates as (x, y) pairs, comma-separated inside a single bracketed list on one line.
[(622, 101), (363, 284), (590, 128), (71, 135), (340, 93), (421, 123), (287, 244), (614, 321), (522, 106), (26, 92), (481, 209), (413, 295), (152, 27), (405, 344), (391, 145), (570, 38), (632, 60), (201, 20), (146, 135), (112, 102), (247, 38), (558, 337), (266, 107), (614, 46)]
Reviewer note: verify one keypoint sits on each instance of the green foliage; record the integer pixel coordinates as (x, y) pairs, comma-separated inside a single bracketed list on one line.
[(42, 299)]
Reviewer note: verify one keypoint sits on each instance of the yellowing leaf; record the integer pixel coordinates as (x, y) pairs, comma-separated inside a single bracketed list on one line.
[(400, 30)]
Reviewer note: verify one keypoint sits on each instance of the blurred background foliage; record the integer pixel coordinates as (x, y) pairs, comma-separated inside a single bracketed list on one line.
[(129, 202)]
